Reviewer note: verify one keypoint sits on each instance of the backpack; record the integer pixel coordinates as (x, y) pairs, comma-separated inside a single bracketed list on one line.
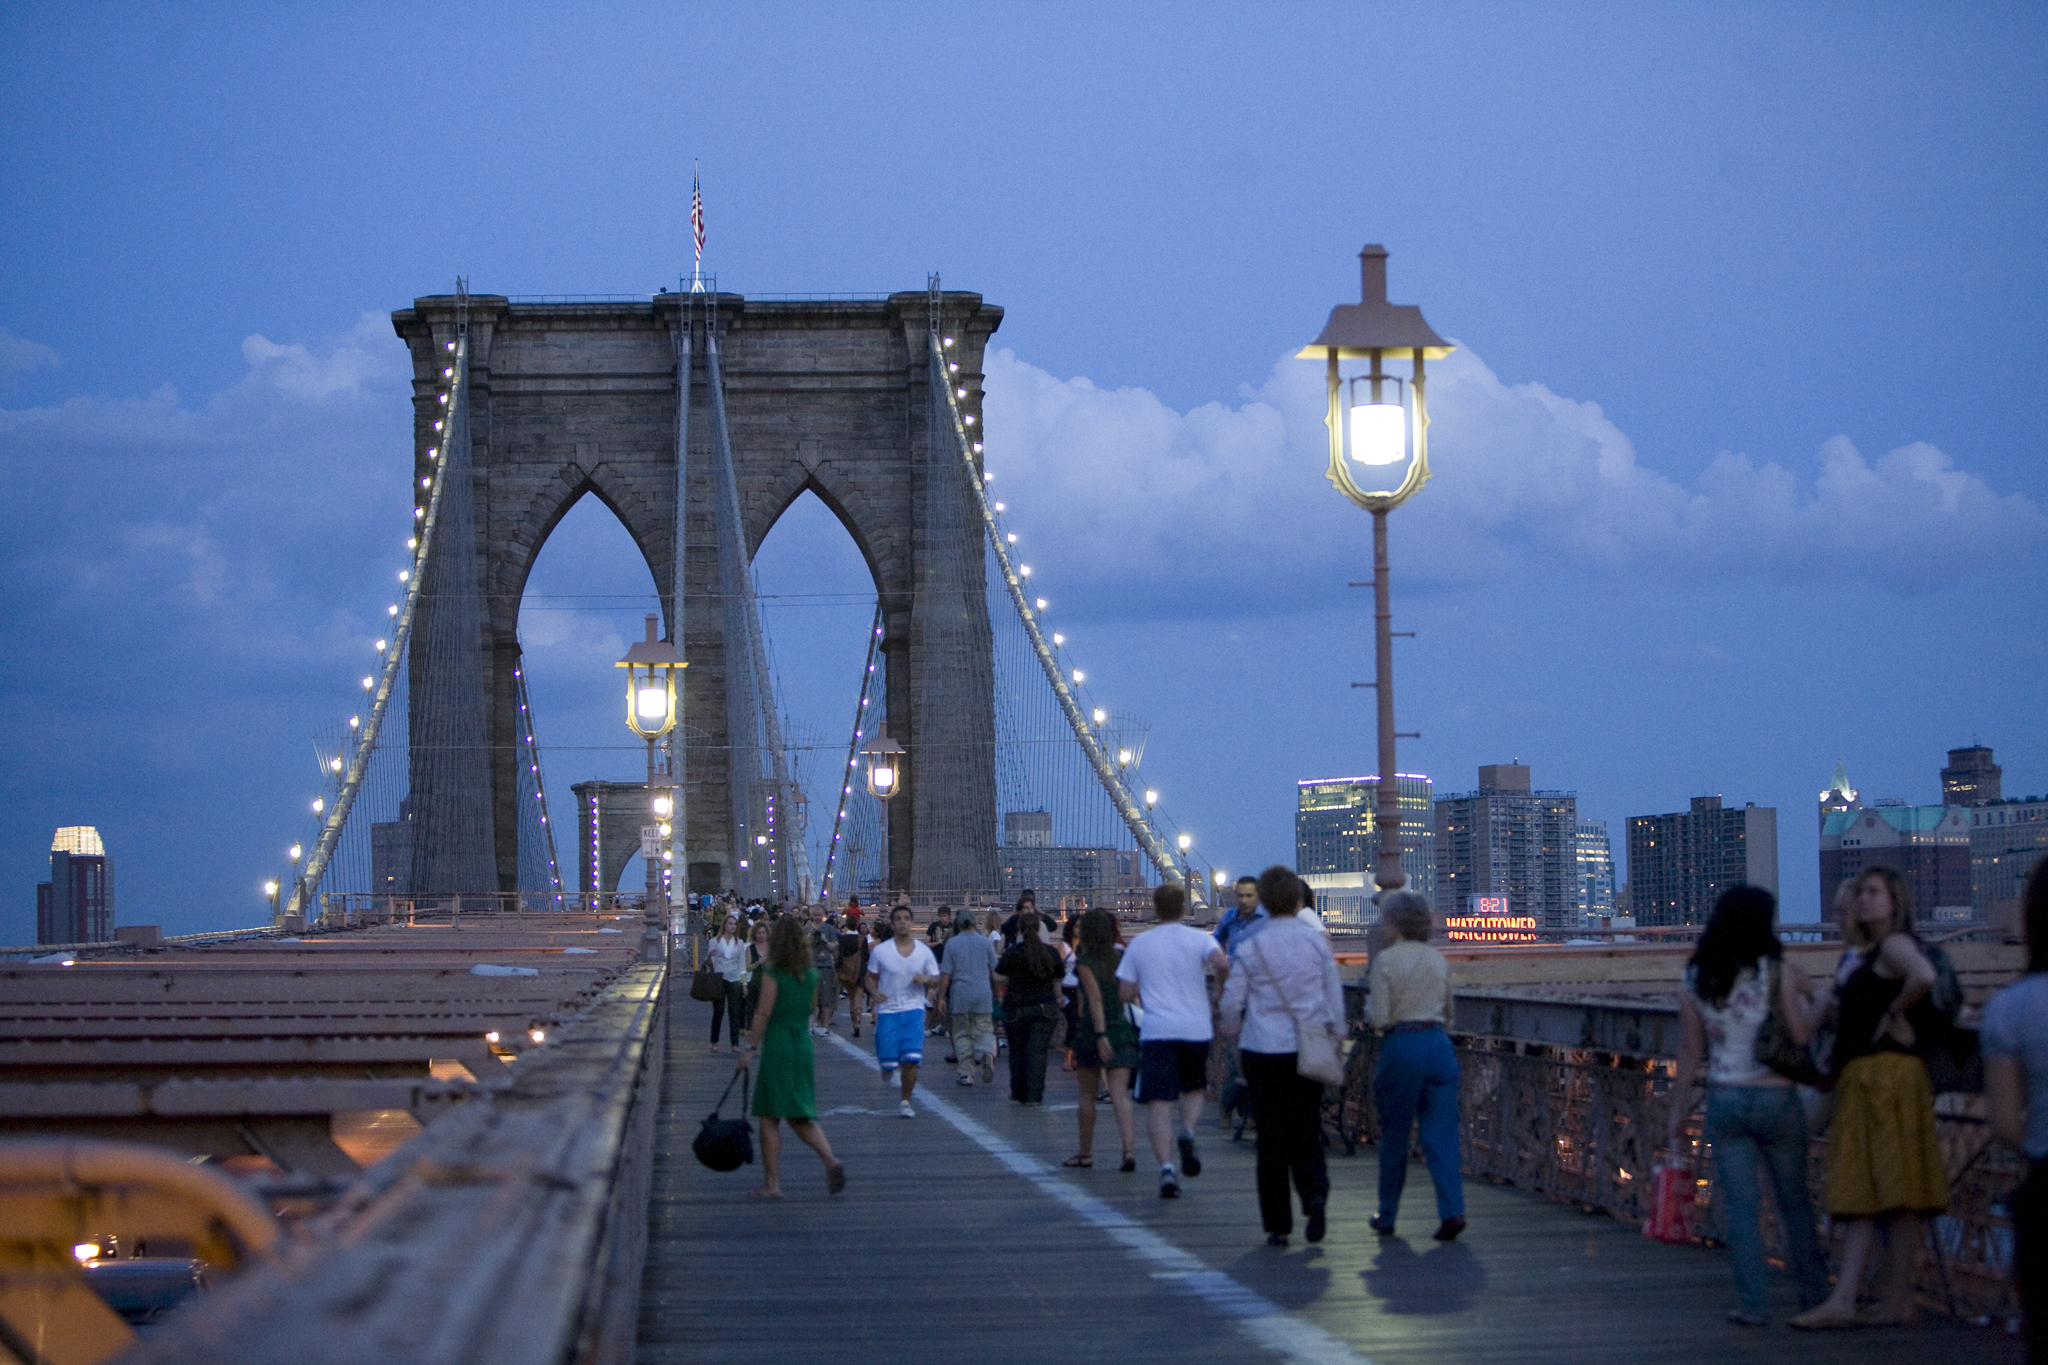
[(1952, 1055)]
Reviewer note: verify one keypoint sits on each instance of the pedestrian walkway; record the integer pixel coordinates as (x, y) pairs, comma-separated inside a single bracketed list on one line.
[(959, 1239)]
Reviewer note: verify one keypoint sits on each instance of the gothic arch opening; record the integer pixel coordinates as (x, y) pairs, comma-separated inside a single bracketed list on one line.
[(817, 594), (586, 595)]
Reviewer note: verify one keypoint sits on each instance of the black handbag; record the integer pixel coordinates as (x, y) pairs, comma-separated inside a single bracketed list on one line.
[(726, 1144), (1776, 1048), (707, 985)]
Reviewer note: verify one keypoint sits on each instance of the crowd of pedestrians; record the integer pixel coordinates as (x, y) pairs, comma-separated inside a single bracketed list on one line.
[(1777, 1051)]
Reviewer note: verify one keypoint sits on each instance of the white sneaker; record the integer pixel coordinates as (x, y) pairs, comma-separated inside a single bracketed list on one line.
[(903, 1108), (817, 1032)]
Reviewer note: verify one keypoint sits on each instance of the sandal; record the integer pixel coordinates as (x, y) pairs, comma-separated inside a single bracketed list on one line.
[(764, 1194), (1130, 1163), (1082, 1161), (835, 1177), (1820, 1320)]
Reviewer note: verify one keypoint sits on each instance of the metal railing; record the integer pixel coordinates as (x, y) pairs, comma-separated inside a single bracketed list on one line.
[(1587, 1126)]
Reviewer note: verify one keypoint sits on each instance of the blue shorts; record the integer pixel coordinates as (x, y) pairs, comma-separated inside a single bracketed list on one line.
[(899, 1038)]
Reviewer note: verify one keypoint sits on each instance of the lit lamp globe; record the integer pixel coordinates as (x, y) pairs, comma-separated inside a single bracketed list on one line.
[(885, 767), (651, 667), (1378, 422)]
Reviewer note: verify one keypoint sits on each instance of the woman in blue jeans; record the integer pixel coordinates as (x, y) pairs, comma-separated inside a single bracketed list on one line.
[(1416, 1082), (1754, 1121)]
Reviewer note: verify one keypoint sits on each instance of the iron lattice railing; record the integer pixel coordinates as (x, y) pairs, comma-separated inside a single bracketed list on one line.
[(1588, 1127)]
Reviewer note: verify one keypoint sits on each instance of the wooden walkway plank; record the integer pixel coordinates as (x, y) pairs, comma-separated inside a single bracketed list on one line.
[(939, 1251)]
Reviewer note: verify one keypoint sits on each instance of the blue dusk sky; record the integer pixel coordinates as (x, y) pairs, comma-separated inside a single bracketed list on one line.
[(1739, 464)]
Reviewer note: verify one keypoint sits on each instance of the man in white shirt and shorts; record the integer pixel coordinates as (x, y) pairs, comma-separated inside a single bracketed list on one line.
[(899, 974), (1165, 971)]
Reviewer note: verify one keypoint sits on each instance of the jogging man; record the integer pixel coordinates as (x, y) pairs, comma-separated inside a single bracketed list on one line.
[(1164, 970), (899, 975)]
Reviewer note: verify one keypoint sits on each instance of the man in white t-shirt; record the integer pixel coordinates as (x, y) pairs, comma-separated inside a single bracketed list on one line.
[(900, 975), (1165, 970)]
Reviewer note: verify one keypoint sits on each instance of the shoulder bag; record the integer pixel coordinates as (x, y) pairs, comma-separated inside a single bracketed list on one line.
[(1776, 1048), (707, 985), (1315, 1052), (727, 1144)]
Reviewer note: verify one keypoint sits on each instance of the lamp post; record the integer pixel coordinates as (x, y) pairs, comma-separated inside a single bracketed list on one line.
[(1187, 868), (651, 667), (1388, 443), (270, 893), (295, 852), (885, 779)]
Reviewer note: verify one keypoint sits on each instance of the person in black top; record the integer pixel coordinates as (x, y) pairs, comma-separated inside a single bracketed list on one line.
[(1030, 972), (1884, 1158)]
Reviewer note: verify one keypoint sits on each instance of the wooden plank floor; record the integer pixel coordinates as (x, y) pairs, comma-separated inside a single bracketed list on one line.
[(957, 1241)]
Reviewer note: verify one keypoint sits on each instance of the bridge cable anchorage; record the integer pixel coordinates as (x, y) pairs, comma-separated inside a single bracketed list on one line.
[(947, 396), (762, 792), (454, 436)]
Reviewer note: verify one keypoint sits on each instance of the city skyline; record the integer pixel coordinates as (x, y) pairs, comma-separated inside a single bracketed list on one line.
[(1688, 532)]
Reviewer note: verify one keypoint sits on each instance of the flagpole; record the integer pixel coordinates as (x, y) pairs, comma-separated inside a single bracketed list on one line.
[(697, 230)]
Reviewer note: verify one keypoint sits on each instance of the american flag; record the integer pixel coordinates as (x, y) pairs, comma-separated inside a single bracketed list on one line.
[(697, 215)]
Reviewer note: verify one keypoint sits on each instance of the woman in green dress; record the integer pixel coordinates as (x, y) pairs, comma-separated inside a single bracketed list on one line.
[(780, 1034), (1105, 1039)]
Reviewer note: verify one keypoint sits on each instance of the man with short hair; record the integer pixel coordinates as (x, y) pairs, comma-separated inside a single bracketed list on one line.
[(939, 930), (968, 988), (1165, 970), (1239, 918), (900, 973)]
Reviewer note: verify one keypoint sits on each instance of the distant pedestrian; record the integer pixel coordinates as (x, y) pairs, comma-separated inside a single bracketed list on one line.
[(825, 957), (1026, 902), (939, 930), (1885, 1168), (1417, 1079), (968, 971), (757, 958), (1284, 981), (901, 972), (785, 1087), (1165, 972), (2016, 1091), (1030, 974), (728, 957), (853, 967), (1754, 1119), (1105, 1041)]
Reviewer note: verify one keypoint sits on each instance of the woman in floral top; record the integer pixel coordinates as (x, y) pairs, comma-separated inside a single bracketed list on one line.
[(1754, 1120)]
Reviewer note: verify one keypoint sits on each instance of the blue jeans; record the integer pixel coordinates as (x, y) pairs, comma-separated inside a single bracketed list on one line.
[(1762, 1126), (1417, 1082)]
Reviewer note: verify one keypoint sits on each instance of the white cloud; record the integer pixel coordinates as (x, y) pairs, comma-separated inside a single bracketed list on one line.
[(19, 356), (368, 352), (1227, 507)]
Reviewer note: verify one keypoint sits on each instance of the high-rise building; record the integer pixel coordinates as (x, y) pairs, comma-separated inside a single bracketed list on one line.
[(1027, 829), (1679, 864), (1927, 845), (1839, 796), (77, 904), (1509, 840), (2007, 838), (1971, 778), (1030, 860), (1596, 870), (1337, 840)]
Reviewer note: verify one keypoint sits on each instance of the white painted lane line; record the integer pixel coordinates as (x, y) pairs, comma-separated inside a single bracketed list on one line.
[(1264, 1321)]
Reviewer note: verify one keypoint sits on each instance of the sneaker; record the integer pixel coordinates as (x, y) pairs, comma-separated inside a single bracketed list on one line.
[(1189, 1161), (1381, 1224), (1169, 1183), (988, 1071), (1448, 1230), (903, 1108), (818, 1032), (1316, 1224), (965, 1080)]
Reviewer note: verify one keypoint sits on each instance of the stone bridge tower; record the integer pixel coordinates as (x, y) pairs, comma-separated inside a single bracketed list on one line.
[(569, 399)]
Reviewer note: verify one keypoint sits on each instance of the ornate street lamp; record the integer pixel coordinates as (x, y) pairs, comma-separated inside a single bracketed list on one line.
[(885, 766), (1382, 464), (651, 667)]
